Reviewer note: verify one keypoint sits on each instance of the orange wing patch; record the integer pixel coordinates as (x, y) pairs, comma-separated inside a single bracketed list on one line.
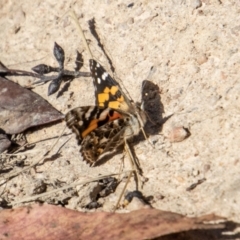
[(95, 122), (104, 97), (92, 125)]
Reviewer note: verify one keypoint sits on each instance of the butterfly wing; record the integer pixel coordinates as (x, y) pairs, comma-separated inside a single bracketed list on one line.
[(83, 120), (107, 91), (104, 139)]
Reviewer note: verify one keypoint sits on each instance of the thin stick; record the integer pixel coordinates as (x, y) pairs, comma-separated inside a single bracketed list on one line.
[(4, 179), (134, 169), (32, 198), (123, 191), (74, 18), (55, 142)]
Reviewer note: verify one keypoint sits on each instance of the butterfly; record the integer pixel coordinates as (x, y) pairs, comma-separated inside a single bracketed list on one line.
[(102, 128)]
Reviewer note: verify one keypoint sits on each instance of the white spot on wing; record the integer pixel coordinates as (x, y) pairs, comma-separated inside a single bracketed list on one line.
[(99, 80), (104, 76), (88, 113)]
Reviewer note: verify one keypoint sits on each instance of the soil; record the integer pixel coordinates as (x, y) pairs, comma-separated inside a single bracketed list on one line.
[(194, 49)]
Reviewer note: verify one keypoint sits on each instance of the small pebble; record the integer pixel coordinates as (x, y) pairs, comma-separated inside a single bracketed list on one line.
[(178, 134), (196, 4), (202, 58)]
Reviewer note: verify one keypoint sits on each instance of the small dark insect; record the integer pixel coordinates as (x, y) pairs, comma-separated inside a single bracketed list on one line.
[(108, 186)]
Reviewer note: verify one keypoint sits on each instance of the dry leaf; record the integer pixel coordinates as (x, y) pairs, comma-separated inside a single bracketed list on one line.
[(21, 108), (53, 222)]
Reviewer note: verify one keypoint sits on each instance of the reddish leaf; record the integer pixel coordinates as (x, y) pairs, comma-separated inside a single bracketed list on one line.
[(52, 222), (21, 108)]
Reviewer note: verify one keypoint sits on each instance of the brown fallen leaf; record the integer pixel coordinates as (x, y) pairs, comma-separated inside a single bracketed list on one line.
[(53, 222), (21, 108)]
